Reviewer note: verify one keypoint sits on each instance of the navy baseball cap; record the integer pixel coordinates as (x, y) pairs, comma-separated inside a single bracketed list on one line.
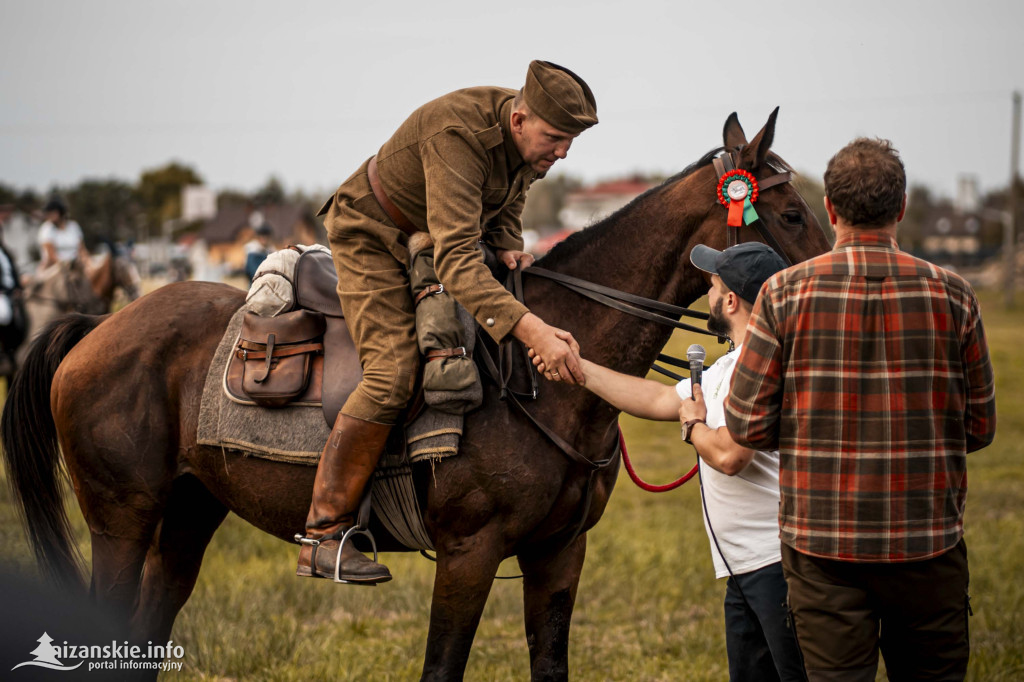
[(743, 268)]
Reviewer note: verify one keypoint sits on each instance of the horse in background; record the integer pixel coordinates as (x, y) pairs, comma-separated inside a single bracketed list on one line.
[(74, 287)]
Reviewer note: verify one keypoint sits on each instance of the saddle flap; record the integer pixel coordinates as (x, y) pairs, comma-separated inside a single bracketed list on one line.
[(342, 370), (316, 283)]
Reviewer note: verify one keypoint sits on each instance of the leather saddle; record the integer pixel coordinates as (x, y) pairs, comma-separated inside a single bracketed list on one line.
[(313, 334), (334, 372)]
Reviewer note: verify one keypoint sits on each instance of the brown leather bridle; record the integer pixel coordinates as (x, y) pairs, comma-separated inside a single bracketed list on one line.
[(727, 162)]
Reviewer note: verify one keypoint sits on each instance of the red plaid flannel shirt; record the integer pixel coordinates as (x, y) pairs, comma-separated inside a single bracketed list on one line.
[(868, 370)]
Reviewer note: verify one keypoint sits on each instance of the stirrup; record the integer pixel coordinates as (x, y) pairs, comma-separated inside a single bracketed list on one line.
[(315, 544)]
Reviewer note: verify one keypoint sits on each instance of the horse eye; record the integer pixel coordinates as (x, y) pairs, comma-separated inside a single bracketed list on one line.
[(793, 218)]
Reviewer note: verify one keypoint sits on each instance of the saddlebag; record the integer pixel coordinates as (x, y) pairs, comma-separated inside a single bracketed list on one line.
[(277, 355)]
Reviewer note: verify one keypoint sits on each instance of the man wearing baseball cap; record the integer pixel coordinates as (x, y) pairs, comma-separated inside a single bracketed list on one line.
[(741, 486), (458, 169)]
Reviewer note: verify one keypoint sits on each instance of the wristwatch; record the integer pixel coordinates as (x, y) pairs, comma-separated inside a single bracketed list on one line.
[(686, 430)]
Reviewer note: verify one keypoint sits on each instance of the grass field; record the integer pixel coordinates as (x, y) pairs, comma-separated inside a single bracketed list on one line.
[(649, 607)]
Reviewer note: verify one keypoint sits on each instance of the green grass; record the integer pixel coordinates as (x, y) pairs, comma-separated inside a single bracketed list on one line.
[(649, 607)]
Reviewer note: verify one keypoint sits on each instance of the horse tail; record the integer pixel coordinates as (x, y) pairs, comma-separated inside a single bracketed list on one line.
[(32, 453)]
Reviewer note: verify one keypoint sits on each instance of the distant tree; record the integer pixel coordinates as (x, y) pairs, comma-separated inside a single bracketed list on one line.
[(813, 192), (160, 192), (106, 210), (544, 201), (232, 197), (8, 195), (311, 201), (921, 204), (28, 201), (271, 193), (998, 201)]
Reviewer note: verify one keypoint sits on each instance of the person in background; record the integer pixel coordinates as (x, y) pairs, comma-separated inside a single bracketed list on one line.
[(13, 320), (60, 239), (741, 485), (258, 248), (868, 369)]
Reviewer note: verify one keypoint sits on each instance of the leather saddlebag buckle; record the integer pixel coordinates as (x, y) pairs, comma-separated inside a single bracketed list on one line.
[(277, 355)]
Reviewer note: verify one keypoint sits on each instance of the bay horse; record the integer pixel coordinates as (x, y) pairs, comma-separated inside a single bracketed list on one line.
[(120, 395)]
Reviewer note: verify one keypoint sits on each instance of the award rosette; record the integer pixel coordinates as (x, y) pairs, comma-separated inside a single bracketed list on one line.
[(737, 190)]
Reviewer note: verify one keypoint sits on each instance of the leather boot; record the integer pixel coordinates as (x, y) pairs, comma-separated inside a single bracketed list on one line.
[(347, 462)]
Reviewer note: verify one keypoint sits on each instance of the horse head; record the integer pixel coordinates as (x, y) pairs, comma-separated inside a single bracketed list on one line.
[(782, 212), (127, 278), (644, 248), (112, 273)]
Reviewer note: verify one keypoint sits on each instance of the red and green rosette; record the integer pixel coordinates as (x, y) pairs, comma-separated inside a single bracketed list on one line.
[(737, 190)]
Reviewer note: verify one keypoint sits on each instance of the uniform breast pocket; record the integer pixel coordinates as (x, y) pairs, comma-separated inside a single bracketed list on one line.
[(494, 197)]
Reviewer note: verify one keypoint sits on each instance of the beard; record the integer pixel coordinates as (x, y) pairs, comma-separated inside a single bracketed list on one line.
[(717, 324)]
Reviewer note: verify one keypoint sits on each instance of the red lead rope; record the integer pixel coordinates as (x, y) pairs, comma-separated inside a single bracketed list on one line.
[(647, 486)]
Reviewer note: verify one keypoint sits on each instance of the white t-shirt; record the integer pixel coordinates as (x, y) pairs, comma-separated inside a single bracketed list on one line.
[(65, 242), (744, 509)]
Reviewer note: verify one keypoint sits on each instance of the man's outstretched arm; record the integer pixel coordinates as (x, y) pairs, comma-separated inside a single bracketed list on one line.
[(633, 395)]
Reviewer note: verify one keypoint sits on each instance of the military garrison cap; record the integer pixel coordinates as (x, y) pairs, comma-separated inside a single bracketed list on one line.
[(560, 97)]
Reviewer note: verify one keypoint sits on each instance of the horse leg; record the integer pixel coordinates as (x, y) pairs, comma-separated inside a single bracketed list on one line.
[(121, 469), (462, 581), (118, 555), (191, 517), (549, 594)]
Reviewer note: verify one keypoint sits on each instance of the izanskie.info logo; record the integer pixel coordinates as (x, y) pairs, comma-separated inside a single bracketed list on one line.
[(113, 656)]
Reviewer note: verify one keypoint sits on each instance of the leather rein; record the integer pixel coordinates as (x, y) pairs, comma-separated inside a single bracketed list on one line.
[(645, 308)]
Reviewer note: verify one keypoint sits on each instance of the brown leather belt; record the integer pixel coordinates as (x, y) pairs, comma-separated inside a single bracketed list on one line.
[(397, 217)]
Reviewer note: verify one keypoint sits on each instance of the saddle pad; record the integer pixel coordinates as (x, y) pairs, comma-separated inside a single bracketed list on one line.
[(296, 434), (292, 434)]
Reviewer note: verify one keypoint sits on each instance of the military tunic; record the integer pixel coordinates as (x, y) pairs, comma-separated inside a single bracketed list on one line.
[(452, 168)]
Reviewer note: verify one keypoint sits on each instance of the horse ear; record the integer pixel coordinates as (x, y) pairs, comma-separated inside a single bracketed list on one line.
[(733, 134), (756, 152)]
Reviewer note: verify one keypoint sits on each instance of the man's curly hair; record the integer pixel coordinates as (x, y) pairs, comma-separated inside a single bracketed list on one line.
[(866, 182)]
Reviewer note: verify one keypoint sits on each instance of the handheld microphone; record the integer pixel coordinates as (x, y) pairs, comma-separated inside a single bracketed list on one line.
[(696, 354)]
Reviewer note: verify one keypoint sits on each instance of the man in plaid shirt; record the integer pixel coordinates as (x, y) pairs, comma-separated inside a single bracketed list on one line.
[(868, 370)]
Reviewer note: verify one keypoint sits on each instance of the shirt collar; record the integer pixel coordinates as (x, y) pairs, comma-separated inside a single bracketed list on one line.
[(731, 356), (856, 238)]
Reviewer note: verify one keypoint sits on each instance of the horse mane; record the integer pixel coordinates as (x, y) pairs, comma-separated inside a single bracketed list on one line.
[(577, 240)]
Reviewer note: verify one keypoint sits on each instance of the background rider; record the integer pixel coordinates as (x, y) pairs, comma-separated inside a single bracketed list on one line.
[(60, 239)]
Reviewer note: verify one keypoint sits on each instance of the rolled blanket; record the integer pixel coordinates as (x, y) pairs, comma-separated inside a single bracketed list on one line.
[(451, 382), (435, 433)]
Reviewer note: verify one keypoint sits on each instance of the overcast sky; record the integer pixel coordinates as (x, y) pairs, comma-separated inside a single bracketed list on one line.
[(305, 90)]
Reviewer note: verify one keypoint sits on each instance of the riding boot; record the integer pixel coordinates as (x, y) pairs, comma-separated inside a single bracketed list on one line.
[(347, 462)]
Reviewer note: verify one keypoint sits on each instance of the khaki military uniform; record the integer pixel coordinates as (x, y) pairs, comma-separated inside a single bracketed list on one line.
[(452, 168)]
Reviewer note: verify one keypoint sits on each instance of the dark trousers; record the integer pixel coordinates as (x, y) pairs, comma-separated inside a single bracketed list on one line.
[(914, 612), (758, 636)]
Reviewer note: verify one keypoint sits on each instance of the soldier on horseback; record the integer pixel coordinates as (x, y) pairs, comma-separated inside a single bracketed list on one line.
[(458, 168)]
